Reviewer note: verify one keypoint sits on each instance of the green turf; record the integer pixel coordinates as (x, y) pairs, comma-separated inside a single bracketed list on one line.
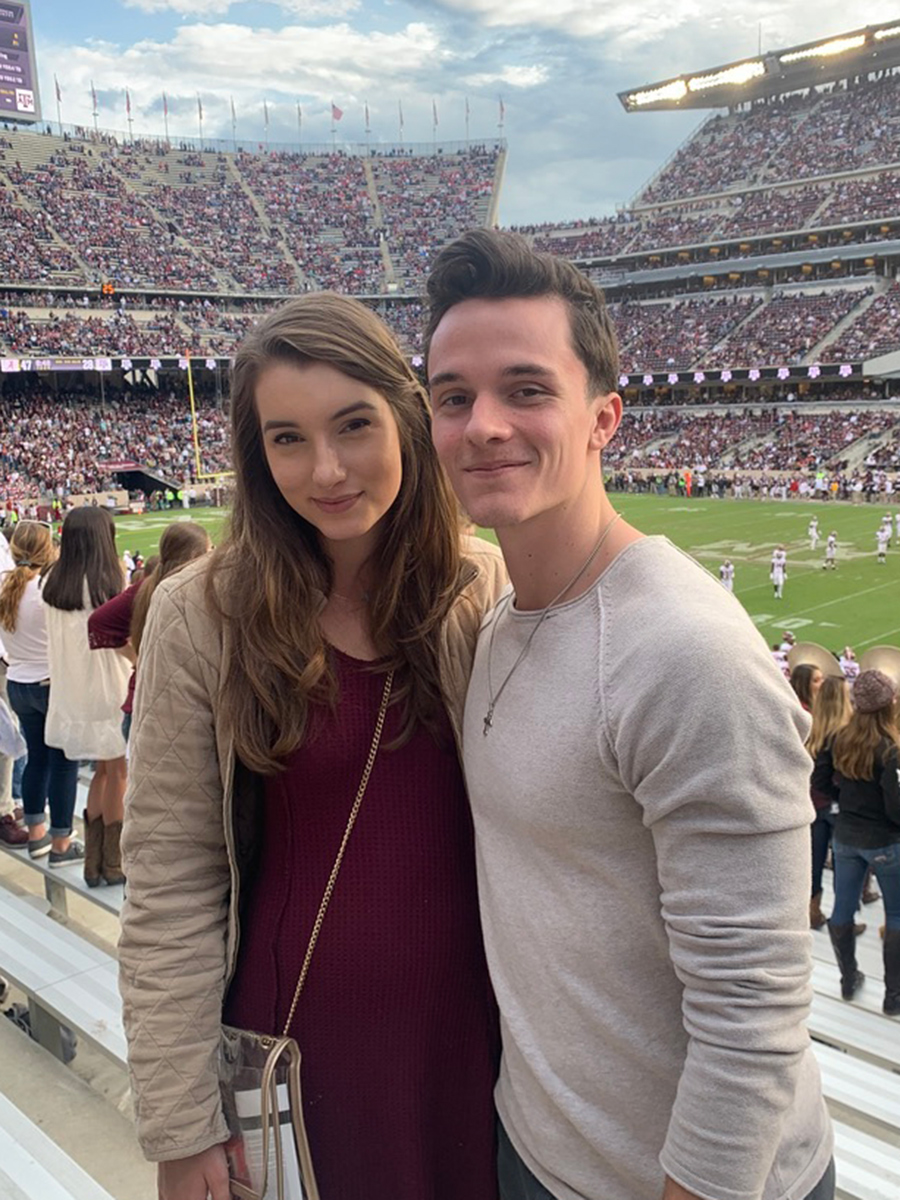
[(859, 603)]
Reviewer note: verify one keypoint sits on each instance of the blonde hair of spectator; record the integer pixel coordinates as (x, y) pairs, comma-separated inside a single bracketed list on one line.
[(269, 579), (856, 744), (831, 710), (33, 551)]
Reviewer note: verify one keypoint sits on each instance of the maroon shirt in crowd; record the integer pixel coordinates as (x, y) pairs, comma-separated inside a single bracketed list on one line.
[(109, 627)]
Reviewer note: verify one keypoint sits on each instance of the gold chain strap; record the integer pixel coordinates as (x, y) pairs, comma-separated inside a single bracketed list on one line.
[(332, 878)]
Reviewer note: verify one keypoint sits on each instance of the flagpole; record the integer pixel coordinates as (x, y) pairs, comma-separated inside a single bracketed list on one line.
[(299, 127), (128, 114), (233, 126), (166, 116), (467, 120), (94, 105), (368, 130), (502, 116), (400, 113), (200, 118), (434, 125), (58, 106), (333, 129), (266, 118)]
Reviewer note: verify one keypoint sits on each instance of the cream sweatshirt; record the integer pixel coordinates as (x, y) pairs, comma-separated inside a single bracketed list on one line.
[(642, 816)]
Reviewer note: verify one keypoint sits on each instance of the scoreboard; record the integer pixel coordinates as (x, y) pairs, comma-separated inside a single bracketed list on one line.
[(19, 97)]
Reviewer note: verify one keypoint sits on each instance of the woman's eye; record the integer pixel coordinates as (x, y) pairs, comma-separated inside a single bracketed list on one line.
[(359, 423), (286, 439)]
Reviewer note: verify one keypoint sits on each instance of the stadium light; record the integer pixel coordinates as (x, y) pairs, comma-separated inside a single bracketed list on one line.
[(825, 49), (741, 73), (676, 90), (881, 34)]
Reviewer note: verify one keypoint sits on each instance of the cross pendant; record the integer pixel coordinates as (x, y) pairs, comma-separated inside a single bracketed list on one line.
[(488, 721)]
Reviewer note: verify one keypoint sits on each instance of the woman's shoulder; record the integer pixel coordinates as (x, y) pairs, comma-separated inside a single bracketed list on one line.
[(485, 562)]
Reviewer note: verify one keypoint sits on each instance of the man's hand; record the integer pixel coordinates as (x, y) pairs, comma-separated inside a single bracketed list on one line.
[(674, 1191), (195, 1178)]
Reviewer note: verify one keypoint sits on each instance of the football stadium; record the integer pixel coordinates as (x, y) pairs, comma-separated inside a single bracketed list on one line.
[(753, 284)]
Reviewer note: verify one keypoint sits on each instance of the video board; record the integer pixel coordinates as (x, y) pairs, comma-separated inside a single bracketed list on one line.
[(19, 96)]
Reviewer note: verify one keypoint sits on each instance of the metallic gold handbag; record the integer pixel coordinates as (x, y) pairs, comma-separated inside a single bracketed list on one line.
[(259, 1074)]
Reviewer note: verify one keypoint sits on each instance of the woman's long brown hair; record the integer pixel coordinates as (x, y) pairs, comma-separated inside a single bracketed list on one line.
[(855, 745), (32, 551), (181, 543), (269, 580)]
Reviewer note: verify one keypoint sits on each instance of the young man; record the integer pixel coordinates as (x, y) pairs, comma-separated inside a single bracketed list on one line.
[(830, 562), (726, 575), (813, 533), (643, 866)]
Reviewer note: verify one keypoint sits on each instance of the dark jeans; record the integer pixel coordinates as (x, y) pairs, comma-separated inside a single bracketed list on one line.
[(518, 1183), (49, 775), (850, 866), (822, 829)]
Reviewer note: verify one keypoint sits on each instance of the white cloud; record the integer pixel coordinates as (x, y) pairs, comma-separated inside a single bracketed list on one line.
[(625, 25), (517, 77), (186, 8), (210, 8)]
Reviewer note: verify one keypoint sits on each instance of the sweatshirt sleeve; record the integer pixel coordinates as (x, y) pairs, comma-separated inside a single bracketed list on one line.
[(172, 944), (109, 626), (717, 763)]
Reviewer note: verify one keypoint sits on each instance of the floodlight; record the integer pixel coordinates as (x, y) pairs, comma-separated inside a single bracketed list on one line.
[(825, 49), (741, 73)]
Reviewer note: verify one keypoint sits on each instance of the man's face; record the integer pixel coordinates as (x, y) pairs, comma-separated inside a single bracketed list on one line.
[(514, 423)]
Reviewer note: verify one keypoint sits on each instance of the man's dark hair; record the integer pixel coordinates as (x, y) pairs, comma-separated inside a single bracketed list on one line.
[(490, 265)]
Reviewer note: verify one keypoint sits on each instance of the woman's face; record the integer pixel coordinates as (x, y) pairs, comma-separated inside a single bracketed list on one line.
[(333, 447), (815, 682)]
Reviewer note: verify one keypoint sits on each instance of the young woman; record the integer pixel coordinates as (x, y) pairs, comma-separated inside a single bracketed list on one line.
[(261, 675), (831, 711), (87, 689), (861, 768), (49, 775), (118, 625), (806, 681)]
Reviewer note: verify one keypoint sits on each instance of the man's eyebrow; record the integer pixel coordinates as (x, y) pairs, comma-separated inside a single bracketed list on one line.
[(515, 371)]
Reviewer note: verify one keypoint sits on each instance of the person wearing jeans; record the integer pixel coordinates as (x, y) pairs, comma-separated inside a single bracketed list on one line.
[(49, 775), (860, 767)]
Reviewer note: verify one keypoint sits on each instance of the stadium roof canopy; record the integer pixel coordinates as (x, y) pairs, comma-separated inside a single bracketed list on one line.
[(775, 73)]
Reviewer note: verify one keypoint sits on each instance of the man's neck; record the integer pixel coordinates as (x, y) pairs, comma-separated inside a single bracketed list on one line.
[(545, 554)]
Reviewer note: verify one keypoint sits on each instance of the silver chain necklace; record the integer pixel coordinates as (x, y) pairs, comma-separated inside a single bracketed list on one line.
[(493, 697)]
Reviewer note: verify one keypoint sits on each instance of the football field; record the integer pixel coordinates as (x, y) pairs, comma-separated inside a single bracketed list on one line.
[(858, 604)]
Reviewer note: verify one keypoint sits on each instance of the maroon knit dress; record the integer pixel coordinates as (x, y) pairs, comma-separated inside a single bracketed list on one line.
[(396, 1021)]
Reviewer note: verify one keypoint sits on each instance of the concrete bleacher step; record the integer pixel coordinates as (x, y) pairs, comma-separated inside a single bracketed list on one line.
[(67, 979), (855, 1030), (867, 1168), (32, 1167)]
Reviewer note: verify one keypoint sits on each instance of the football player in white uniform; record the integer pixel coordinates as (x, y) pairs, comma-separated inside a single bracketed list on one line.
[(778, 573), (813, 532), (883, 537), (830, 552), (726, 575)]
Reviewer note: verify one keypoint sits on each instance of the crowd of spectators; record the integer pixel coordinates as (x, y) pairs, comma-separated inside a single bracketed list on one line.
[(839, 128), (675, 336), (758, 442), (786, 330), (874, 332), (60, 445)]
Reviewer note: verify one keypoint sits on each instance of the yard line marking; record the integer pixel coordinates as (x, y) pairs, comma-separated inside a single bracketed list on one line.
[(879, 638), (843, 599)]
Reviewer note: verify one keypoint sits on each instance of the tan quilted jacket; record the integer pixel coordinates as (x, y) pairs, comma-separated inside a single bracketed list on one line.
[(188, 831)]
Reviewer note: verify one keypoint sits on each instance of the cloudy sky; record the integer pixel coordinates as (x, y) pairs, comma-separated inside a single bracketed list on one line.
[(558, 64)]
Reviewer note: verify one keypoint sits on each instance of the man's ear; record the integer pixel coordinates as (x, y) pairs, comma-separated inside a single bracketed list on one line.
[(607, 418)]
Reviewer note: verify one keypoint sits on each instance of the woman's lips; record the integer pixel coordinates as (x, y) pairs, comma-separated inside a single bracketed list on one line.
[(338, 505)]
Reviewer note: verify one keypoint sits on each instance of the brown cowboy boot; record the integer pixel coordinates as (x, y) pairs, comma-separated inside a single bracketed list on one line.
[(112, 855), (93, 850)]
